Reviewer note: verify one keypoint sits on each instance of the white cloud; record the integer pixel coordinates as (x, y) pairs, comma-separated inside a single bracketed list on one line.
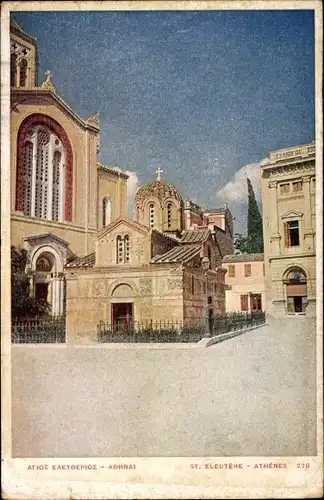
[(132, 186), (235, 191)]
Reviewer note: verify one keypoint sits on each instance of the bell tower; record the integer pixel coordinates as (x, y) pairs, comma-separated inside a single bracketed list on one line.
[(23, 58)]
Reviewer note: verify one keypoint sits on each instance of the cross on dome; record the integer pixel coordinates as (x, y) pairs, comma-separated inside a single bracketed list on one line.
[(158, 172)]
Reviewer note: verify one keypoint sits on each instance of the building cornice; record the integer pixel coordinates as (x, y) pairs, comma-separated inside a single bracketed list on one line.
[(112, 169), (17, 30), (125, 269), (20, 217), (297, 167), (292, 256)]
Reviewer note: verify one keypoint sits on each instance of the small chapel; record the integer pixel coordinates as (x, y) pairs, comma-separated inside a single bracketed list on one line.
[(88, 259)]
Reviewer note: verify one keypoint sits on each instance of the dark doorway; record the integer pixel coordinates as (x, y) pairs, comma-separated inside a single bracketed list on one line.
[(298, 304), (41, 292), (256, 302), (122, 314)]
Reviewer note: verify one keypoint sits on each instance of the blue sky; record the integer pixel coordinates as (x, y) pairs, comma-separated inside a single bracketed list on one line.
[(202, 94)]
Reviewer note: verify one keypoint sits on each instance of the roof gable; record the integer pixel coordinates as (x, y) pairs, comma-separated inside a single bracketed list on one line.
[(45, 238), (49, 97), (124, 221), (292, 214)]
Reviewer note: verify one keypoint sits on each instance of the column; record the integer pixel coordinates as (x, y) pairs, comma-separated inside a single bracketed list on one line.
[(55, 295), (61, 295), (308, 230), (53, 301)]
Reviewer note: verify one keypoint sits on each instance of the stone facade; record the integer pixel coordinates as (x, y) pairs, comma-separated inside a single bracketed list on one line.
[(159, 279), (288, 188), (244, 282)]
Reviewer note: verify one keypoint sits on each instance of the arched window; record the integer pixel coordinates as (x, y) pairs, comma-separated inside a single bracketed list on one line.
[(151, 216), (122, 249), (13, 70), (44, 175), (126, 248), (296, 275), (169, 209), (43, 167), (106, 211), (23, 73), (119, 250)]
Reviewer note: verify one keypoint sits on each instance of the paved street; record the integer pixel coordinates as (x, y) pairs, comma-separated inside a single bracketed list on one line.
[(251, 395)]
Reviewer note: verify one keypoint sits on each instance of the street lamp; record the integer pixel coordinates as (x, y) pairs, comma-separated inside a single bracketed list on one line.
[(205, 264)]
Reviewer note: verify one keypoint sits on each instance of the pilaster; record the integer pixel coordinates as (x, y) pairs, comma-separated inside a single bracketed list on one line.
[(273, 202), (309, 233)]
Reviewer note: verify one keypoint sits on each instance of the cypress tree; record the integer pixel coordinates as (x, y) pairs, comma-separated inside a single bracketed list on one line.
[(254, 225)]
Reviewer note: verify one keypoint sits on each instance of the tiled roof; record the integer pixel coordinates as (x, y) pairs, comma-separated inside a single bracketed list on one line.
[(181, 253), (195, 236), (158, 189), (87, 261), (243, 257)]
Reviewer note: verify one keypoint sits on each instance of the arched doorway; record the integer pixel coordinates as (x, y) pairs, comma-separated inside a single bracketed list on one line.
[(48, 279), (122, 307), (43, 267), (295, 282)]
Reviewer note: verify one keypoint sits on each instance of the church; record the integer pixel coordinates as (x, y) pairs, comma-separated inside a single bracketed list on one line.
[(61, 195), (69, 211)]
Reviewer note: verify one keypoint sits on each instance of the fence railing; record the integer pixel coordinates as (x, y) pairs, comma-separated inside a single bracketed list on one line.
[(234, 321), (39, 331), (176, 331), (150, 331)]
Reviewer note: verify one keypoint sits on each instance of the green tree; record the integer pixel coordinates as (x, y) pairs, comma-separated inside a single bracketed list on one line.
[(253, 242), (23, 304), (254, 223), (241, 243)]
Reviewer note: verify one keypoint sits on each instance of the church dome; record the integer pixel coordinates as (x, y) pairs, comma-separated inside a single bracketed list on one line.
[(157, 189)]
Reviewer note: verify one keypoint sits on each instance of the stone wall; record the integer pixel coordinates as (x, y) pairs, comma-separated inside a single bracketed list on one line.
[(156, 293)]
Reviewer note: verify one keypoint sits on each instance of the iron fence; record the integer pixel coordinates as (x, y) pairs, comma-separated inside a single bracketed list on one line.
[(39, 331), (176, 331), (150, 331), (234, 321)]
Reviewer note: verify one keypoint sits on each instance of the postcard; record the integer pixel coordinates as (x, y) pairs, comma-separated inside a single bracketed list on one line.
[(162, 310)]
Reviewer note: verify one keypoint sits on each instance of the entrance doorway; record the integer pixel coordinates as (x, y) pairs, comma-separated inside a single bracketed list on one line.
[(41, 292), (296, 291), (122, 314), (296, 305)]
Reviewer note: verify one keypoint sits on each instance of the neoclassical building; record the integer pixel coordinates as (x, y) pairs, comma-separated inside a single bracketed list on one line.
[(288, 189), (61, 196)]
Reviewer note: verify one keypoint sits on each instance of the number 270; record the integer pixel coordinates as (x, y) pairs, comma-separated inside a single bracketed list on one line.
[(303, 465)]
